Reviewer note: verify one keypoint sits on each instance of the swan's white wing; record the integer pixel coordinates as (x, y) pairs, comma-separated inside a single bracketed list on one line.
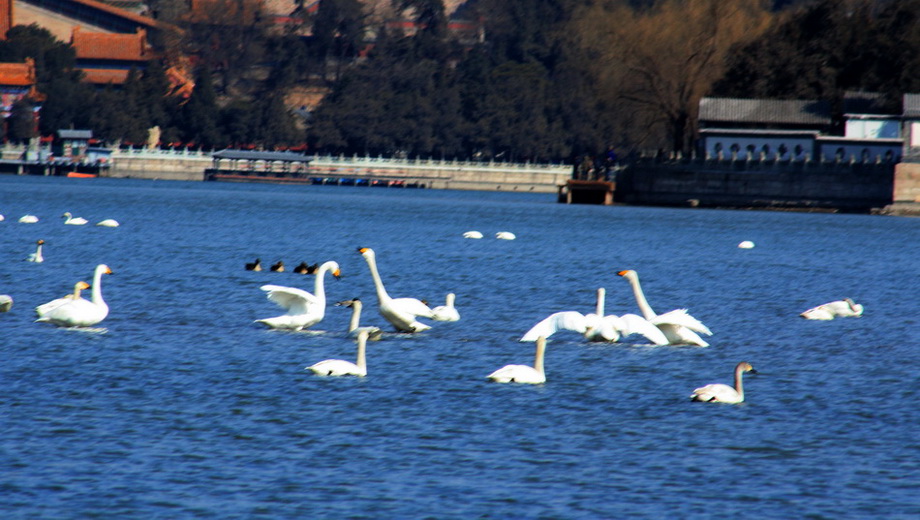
[(818, 313), (565, 320), (681, 318), (337, 367), (717, 392), (412, 306), (296, 301), (445, 313), (628, 324), (517, 374)]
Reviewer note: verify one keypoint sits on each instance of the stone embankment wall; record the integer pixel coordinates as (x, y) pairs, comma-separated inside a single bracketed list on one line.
[(159, 164), (906, 193), (858, 187)]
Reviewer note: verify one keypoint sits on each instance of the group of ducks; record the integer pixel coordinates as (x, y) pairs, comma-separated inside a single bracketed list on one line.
[(69, 219), (278, 267)]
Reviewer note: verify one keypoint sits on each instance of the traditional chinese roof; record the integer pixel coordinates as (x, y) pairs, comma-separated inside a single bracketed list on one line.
[(115, 47), (765, 111)]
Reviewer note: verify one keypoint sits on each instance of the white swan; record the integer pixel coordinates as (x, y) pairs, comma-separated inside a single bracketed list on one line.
[(303, 309), (596, 326), (37, 255), (446, 312), (472, 234), (340, 367), (400, 312), (45, 308), (722, 393), (522, 373), (746, 244), (505, 235), (845, 308), (109, 222), (6, 302), (679, 327), (28, 219), (2, 218), (79, 312), (73, 221), (354, 325)]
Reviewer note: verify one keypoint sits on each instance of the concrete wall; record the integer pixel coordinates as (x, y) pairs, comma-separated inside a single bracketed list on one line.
[(806, 186), (161, 165)]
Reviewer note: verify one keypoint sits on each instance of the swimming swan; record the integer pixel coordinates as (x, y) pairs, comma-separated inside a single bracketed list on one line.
[(354, 325), (28, 219), (446, 312), (340, 367), (45, 308), (6, 302), (679, 327), (109, 222), (79, 312), (400, 312), (472, 234), (845, 308), (303, 309), (596, 326), (73, 221), (505, 235), (721, 393), (522, 373), (37, 255)]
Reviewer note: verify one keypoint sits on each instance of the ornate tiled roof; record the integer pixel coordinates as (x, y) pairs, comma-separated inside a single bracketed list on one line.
[(770, 111), (117, 47), (911, 105)]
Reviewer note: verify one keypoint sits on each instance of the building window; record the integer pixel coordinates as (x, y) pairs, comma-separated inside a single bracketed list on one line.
[(840, 154), (782, 150), (735, 148), (766, 150), (798, 150), (865, 155)]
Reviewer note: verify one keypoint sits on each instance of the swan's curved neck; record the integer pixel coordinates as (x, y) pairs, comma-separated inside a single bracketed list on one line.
[(739, 387), (355, 316), (646, 309), (538, 357), (599, 306), (362, 347), (97, 287), (319, 287), (378, 283), (450, 300)]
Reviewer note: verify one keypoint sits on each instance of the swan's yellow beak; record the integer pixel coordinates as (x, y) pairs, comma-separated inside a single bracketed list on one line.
[(337, 274), (363, 250), (83, 285), (109, 271), (622, 273)]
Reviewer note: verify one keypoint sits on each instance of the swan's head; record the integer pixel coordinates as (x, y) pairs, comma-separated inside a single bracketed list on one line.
[(629, 274), (40, 242), (67, 214), (744, 366), (104, 269), (333, 268), (366, 252), (349, 303), (81, 286)]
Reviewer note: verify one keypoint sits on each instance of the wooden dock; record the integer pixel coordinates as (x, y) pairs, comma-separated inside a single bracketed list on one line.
[(587, 192)]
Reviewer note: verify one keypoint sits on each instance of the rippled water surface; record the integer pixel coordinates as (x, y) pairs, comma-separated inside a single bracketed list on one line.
[(182, 407)]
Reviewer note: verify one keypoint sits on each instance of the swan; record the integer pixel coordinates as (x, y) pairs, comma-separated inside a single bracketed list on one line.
[(522, 373), (28, 219), (79, 312), (303, 268), (109, 222), (505, 235), (472, 234), (2, 218), (354, 327), (278, 266), (6, 302), (679, 327), (597, 326), (446, 312), (400, 312), (746, 244), (37, 255), (45, 308), (73, 221), (837, 309), (722, 393), (254, 266), (303, 309), (340, 367)]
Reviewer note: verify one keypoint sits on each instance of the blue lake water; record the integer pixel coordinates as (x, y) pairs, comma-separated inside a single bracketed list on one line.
[(182, 407)]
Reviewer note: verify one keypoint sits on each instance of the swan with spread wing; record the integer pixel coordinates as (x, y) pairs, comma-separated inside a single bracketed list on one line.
[(303, 309), (679, 327)]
